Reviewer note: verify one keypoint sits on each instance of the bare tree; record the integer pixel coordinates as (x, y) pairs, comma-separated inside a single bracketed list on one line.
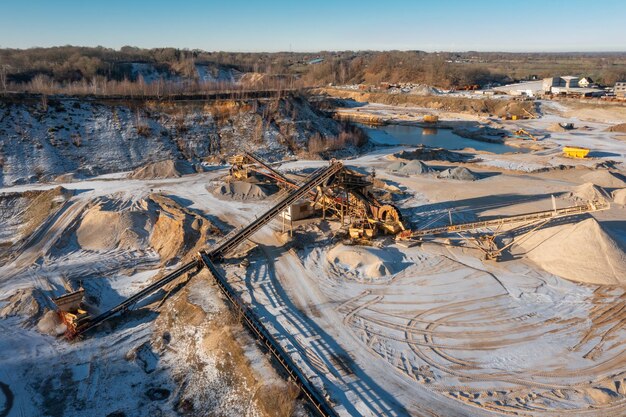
[(3, 78)]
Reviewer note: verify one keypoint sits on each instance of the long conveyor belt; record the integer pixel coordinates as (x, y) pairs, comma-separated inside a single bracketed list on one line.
[(138, 296), (206, 259), (522, 218), (227, 244)]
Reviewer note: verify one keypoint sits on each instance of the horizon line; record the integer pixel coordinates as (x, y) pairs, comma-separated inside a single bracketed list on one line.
[(318, 50)]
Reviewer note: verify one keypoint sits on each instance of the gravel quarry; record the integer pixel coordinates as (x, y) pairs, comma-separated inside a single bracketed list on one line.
[(379, 328)]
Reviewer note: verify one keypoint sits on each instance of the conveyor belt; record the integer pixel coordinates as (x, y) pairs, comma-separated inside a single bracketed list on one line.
[(277, 175), (522, 218), (227, 244), (138, 296), (264, 336), (237, 237)]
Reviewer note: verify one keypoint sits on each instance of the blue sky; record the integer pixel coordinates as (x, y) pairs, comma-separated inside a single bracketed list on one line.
[(239, 25)]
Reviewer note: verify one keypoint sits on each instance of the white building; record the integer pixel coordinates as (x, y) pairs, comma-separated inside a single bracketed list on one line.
[(568, 84), (620, 89), (530, 89)]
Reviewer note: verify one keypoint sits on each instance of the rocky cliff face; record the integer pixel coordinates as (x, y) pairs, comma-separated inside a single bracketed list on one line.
[(41, 139)]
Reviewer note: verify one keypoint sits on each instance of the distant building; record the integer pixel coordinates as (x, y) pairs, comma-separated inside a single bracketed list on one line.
[(548, 83), (316, 61), (620, 89), (570, 85), (566, 85), (530, 89), (570, 81)]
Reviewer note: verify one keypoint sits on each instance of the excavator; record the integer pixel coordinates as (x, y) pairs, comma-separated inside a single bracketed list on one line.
[(524, 134)]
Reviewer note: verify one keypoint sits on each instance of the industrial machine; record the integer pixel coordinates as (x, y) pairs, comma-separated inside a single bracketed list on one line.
[(524, 134), (483, 234), (575, 152), (71, 310), (347, 197)]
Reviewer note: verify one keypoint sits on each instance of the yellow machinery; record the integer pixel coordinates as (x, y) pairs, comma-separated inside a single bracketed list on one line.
[(575, 152), (388, 218), (431, 118), (71, 311), (532, 116), (524, 134), (239, 167), (362, 229), (349, 195)]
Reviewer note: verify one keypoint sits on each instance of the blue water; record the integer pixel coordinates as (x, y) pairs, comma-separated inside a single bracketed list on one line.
[(441, 138)]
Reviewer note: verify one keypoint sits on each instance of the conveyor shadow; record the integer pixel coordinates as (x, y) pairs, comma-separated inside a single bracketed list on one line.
[(325, 345)]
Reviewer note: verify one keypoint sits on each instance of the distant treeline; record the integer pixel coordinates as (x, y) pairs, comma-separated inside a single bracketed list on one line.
[(73, 69)]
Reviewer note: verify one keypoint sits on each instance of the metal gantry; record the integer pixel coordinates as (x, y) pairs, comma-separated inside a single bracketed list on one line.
[(486, 241)]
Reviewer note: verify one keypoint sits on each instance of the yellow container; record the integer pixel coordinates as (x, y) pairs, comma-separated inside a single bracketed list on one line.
[(573, 152), (430, 118)]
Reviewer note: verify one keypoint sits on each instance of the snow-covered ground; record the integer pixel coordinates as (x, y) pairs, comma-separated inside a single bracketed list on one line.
[(86, 138), (427, 330)]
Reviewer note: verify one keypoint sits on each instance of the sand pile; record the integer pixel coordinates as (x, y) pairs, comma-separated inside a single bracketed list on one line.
[(67, 177), (359, 262), (482, 133), (619, 196), (395, 166), (158, 222), (424, 90), (103, 230), (426, 153), (557, 127), (605, 178), (416, 167), (617, 128), (581, 252), (178, 232), (162, 169), (588, 192), (458, 173), (503, 108), (28, 303), (241, 190), (42, 204)]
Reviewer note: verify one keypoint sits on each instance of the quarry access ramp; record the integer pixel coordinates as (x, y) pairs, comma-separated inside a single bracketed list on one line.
[(589, 207)]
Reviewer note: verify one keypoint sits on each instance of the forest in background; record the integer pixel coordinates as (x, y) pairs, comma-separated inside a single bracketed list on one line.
[(83, 70)]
